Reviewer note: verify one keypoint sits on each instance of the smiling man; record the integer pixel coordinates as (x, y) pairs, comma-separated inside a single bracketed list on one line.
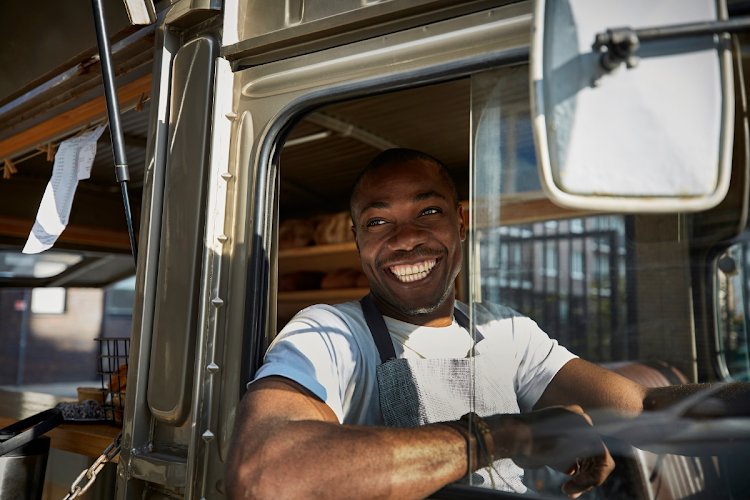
[(371, 399), (409, 228)]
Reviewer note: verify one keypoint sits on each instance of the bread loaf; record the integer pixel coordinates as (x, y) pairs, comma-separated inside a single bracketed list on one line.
[(296, 233), (119, 379), (334, 228), (341, 278), (118, 404)]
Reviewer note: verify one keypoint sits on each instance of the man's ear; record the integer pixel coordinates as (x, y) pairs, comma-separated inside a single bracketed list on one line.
[(461, 224), (354, 232)]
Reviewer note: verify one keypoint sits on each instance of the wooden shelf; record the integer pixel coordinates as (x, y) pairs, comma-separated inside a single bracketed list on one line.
[(314, 250), (84, 439), (322, 258)]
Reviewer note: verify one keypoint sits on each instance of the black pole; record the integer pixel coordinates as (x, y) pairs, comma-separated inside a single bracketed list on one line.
[(622, 44), (737, 25), (24, 336), (113, 113)]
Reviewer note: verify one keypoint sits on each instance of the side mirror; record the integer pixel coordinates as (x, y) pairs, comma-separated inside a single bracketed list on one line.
[(625, 124), (141, 12)]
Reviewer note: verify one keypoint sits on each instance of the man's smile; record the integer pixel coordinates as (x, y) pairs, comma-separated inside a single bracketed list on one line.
[(413, 272)]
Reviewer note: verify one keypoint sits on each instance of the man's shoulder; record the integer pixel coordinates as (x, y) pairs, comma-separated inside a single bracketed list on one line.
[(346, 318), (345, 311)]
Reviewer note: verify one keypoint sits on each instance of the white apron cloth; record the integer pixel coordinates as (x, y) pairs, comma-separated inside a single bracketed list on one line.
[(416, 392)]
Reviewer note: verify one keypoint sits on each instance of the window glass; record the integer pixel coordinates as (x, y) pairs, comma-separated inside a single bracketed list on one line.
[(572, 274), (120, 297), (14, 264), (623, 291), (569, 275), (732, 286)]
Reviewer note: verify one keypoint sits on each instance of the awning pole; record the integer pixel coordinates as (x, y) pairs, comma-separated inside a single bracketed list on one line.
[(113, 112)]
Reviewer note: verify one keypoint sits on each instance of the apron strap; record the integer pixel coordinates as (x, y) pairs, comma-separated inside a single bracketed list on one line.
[(378, 329), (382, 336), (463, 322), (461, 319)]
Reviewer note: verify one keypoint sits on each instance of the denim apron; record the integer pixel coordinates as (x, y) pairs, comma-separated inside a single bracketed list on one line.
[(416, 392)]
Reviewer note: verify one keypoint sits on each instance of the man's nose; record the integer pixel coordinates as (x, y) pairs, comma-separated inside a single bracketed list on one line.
[(407, 237)]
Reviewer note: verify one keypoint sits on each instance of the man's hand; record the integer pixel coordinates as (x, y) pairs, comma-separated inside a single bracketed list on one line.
[(562, 438)]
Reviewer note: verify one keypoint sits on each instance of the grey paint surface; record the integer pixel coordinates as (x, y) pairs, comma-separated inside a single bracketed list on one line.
[(175, 325), (138, 423), (160, 469)]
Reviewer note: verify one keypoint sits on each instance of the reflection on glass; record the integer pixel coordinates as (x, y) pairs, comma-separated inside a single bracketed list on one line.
[(566, 274), (14, 264), (733, 284), (570, 282), (120, 297)]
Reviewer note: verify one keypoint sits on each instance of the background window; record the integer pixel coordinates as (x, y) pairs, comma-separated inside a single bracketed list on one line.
[(120, 297), (576, 265), (48, 301)]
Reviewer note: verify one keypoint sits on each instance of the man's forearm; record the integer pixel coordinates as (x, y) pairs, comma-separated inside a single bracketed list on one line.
[(733, 395), (315, 459)]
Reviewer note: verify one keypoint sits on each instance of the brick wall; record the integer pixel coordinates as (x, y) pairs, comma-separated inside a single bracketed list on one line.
[(60, 347)]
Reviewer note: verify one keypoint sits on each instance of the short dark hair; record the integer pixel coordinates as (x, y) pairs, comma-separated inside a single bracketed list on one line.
[(401, 155)]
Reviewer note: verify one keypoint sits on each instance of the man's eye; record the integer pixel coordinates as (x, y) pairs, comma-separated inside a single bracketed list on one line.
[(431, 211), (376, 222)]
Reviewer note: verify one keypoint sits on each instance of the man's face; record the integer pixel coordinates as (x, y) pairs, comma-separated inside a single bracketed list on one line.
[(409, 236)]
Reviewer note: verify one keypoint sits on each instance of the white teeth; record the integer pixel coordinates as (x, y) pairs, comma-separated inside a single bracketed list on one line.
[(415, 272)]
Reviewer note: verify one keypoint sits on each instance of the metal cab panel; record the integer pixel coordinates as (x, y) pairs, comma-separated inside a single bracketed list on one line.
[(258, 32), (183, 225)]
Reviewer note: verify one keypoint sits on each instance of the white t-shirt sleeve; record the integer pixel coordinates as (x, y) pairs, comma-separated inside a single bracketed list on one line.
[(539, 357), (317, 350)]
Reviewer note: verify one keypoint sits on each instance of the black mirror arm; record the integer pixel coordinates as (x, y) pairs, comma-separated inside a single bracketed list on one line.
[(620, 45)]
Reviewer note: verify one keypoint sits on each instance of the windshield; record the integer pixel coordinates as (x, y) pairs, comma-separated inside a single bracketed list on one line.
[(622, 291)]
